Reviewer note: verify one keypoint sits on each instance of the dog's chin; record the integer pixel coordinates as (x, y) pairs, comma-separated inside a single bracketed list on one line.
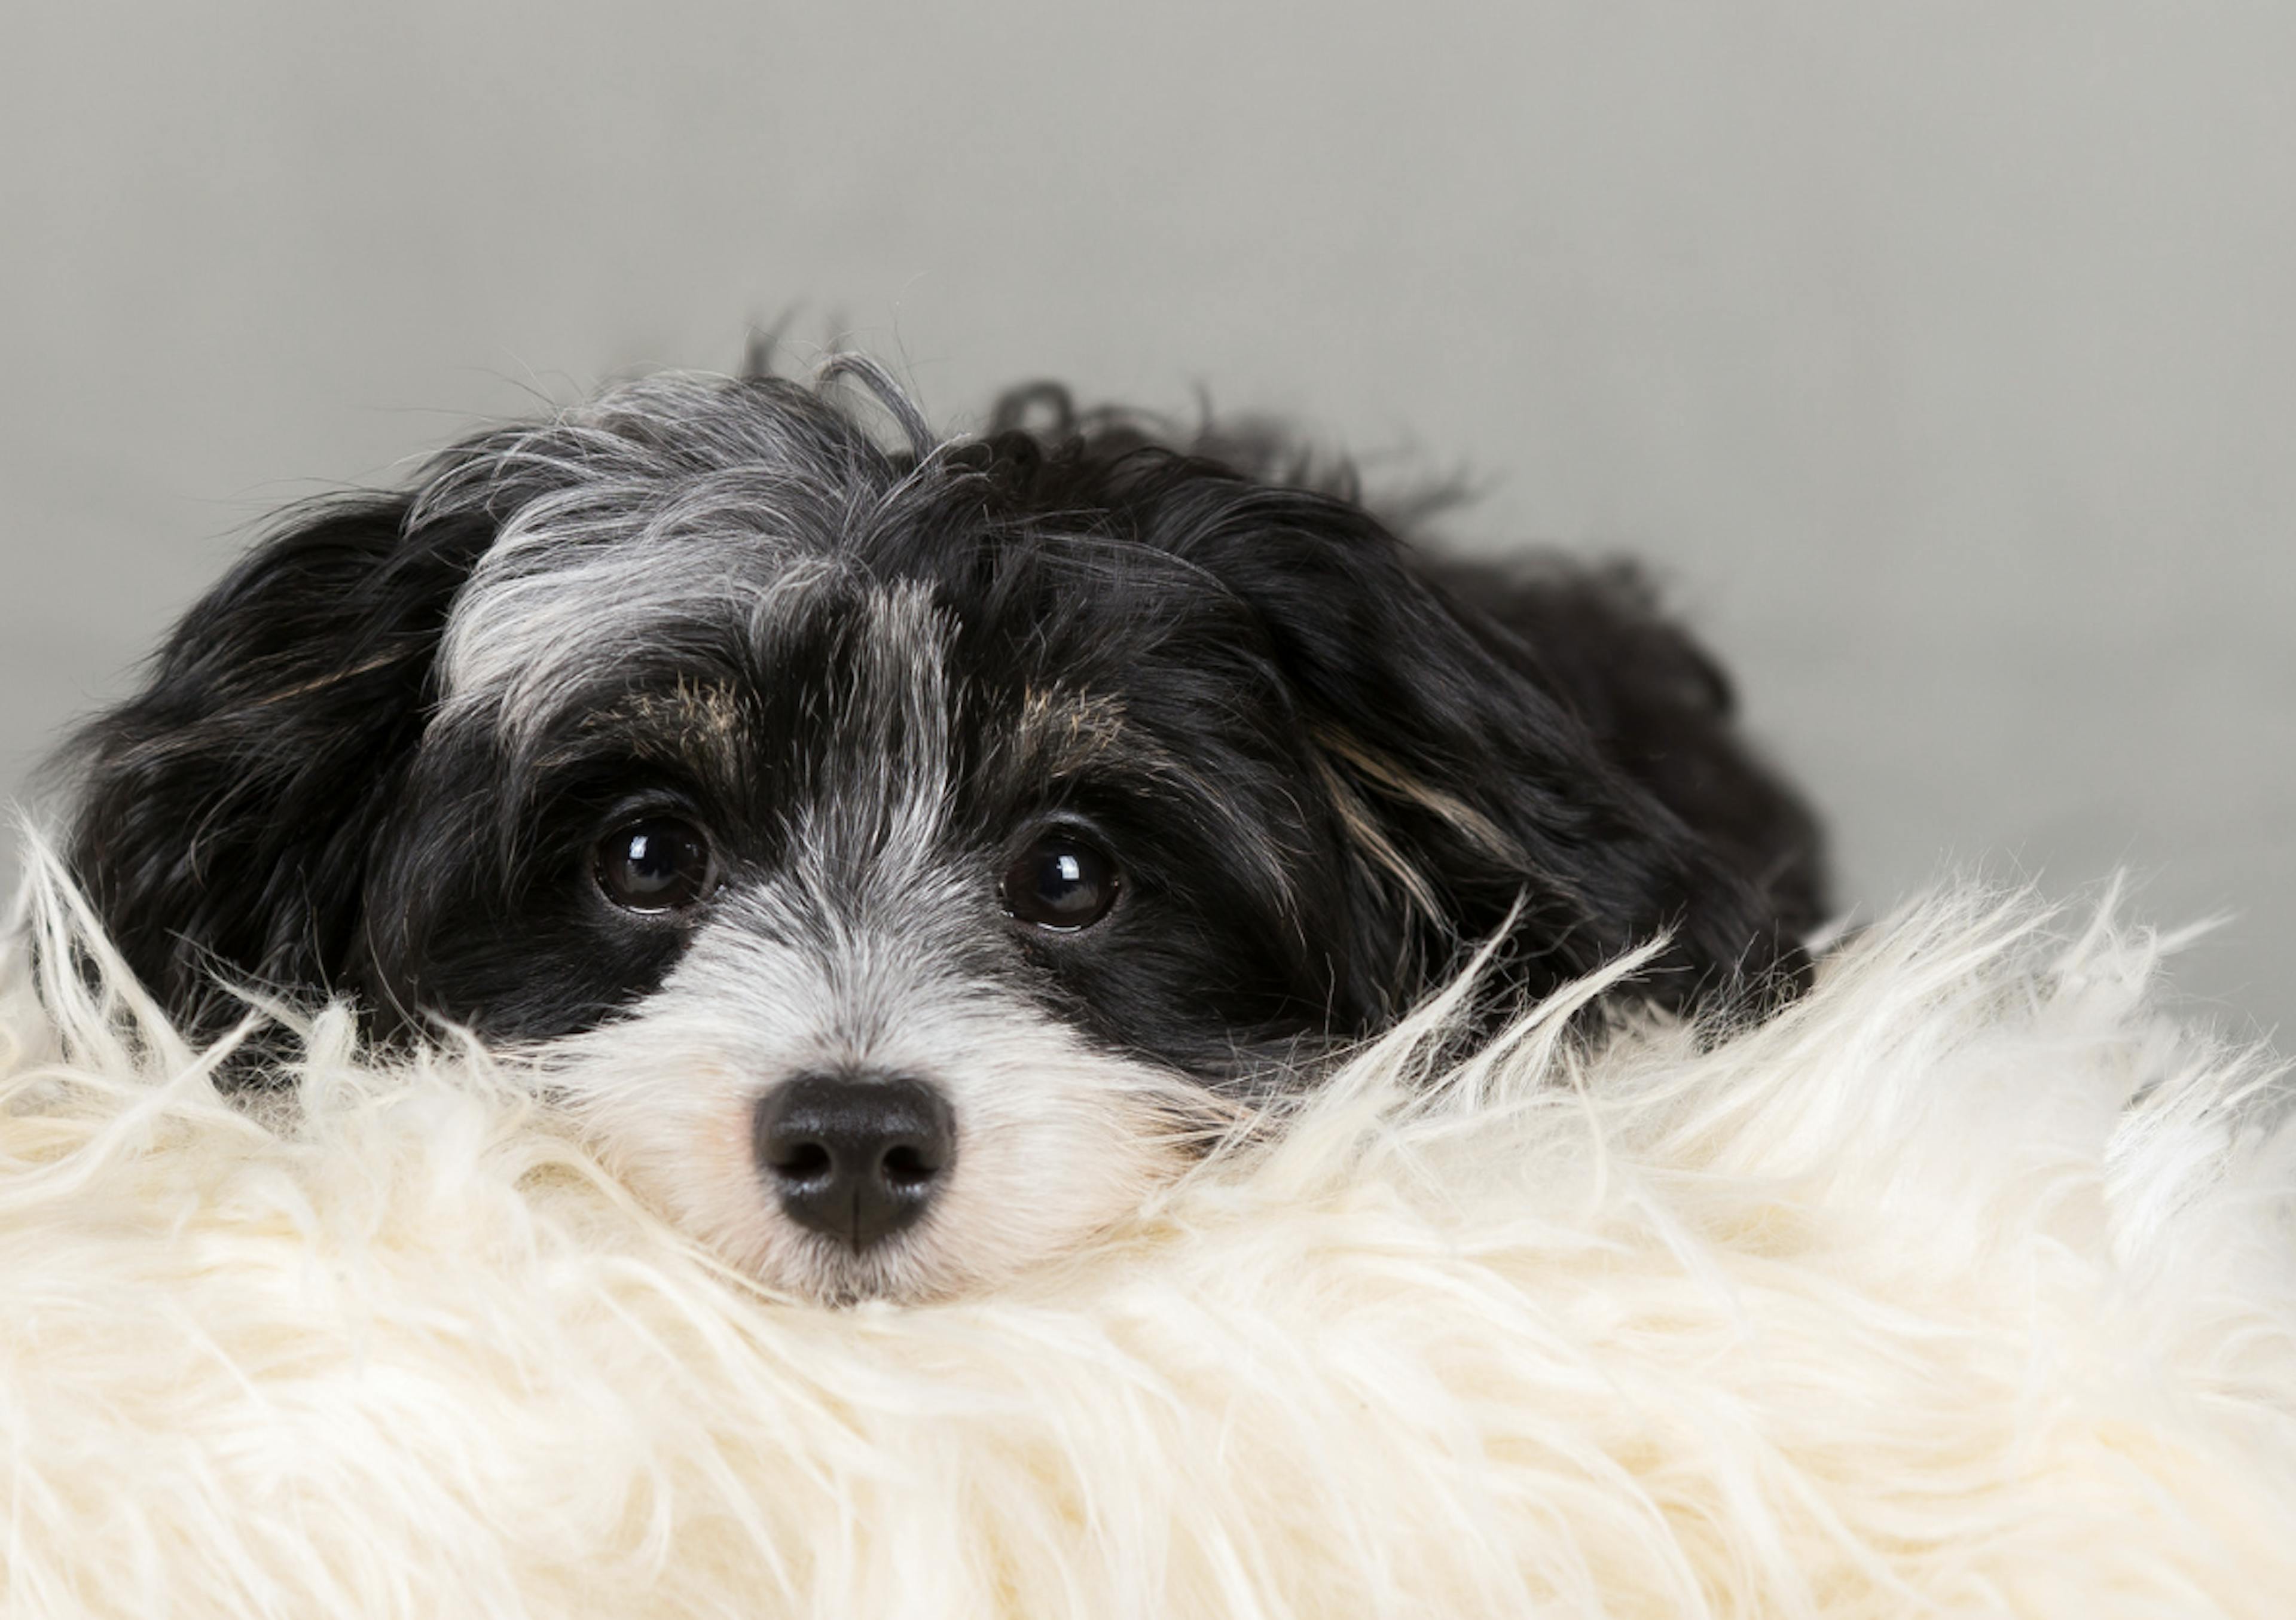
[(902, 1270), (930, 1262)]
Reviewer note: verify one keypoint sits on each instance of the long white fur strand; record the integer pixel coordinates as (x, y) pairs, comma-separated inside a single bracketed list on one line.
[(1967, 1286)]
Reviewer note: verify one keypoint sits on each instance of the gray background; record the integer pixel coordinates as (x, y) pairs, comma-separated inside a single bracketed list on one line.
[(1943, 355)]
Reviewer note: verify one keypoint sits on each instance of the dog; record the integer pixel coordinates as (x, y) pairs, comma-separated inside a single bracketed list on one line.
[(883, 842)]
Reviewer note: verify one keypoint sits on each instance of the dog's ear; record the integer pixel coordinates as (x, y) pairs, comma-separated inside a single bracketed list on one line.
[(226, 813), (1473, 781), (1657, 706)]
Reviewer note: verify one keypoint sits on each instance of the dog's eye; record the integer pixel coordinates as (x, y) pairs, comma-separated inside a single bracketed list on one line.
[(658, 864), (1060, 883)]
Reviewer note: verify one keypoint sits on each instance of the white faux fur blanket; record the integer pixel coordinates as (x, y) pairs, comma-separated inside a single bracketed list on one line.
[(1967, 1286)]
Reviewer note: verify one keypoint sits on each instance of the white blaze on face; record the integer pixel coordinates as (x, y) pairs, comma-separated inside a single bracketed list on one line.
[(1053, 1140)]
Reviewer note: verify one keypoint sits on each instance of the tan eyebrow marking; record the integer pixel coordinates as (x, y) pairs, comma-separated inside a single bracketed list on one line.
[(692, 720), (1063, 730)]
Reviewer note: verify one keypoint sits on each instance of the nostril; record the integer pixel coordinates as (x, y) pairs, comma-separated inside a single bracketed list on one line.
[(906, 1166), (798, 1161)]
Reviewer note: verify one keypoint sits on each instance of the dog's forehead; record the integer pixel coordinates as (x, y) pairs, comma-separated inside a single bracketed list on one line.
[(717, 658), (693, 637), (688, 576), (545, 620)]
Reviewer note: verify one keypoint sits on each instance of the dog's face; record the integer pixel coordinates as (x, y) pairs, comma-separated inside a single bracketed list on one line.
[(896, 860), (769, 820)]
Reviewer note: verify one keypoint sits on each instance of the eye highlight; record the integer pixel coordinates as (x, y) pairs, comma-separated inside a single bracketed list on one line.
[(662, 863), (1060, 883)]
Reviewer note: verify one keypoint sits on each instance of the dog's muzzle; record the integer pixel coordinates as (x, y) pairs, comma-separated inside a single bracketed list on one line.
[(855, 1157)]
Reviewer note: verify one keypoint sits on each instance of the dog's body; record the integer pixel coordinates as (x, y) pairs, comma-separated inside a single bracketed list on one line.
[(886, 851)]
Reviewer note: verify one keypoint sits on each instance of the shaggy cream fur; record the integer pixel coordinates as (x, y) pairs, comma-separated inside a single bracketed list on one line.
[(1968, 1286)]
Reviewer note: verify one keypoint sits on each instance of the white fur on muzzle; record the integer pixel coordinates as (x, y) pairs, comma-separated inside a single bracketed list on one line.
[(1968, 1285)]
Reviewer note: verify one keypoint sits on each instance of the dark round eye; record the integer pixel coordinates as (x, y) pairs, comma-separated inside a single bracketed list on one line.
[(658, 864), (1060, 883)]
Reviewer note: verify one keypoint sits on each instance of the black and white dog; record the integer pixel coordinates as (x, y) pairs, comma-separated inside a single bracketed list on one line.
[(877, 846)]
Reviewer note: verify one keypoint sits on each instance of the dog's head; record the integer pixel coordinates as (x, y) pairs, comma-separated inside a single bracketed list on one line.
[(891, 854)]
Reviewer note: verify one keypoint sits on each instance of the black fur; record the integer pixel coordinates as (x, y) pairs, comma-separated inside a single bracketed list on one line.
[(1382, 757), (231, 810)]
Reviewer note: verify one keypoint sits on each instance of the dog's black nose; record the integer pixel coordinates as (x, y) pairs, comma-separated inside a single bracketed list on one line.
[(856, 1156)]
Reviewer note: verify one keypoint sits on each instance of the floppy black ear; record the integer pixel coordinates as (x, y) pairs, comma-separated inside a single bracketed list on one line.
[(227, 812), (1553, 744), (1657, 704)]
